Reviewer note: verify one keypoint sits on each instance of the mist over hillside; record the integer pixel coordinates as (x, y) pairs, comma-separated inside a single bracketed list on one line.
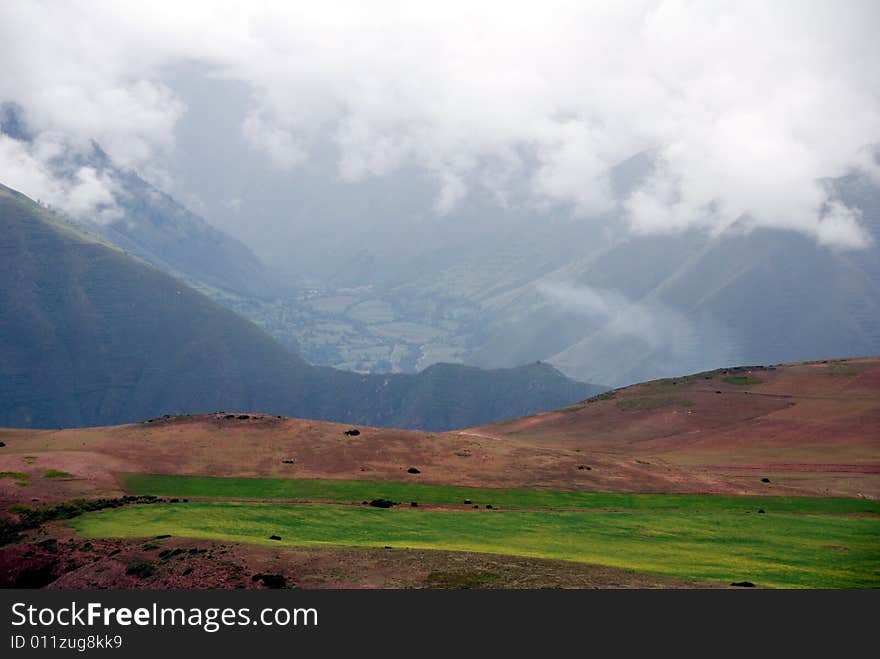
[(583, 191), (90, 335)]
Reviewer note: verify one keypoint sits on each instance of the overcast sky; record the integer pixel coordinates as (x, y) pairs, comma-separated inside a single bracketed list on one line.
[(746, 105)]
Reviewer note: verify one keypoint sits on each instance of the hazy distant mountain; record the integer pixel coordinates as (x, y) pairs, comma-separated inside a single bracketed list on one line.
[(653, 306), (90, 335)]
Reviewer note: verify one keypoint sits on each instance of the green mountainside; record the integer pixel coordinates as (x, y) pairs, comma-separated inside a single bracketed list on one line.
[(90, 335)]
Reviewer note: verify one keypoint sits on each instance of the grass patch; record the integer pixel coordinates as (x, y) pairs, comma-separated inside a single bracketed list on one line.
[(841, 370), (461, 580), (17, 475), (651, 403), (31, 518), (57, 473), (309, 489), (571, 408), (782, 550), (742, 380)]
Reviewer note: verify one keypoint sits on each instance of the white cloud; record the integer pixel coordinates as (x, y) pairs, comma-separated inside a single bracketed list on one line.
[(83, 192), (747, 105)]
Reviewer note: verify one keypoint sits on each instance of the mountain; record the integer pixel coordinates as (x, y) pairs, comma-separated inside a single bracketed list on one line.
[(90, 335), (643, 307)]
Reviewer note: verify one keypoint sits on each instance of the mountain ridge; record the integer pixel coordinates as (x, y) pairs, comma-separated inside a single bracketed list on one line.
[(92, 336)]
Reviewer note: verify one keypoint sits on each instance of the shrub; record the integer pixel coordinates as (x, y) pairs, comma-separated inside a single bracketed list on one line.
[(140, 569), (57, 473), (383, 503), (270, 580)]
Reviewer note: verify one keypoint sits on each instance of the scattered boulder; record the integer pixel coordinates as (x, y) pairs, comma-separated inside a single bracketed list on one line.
[(761, 511), (488, 506), (765, 480), (141, 569), (476, 507), (274, 537), (585, 468), (414, 504), (270, 580), (287, 462), (229, 416), (244, 416), (352, 432), (382, 503), (717, 391), (468, 501), (50, 545), (171, 553), (2, 444), (743, 584), (413, 470)]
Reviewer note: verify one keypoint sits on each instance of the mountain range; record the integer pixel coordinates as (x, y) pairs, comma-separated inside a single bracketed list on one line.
[(93, 335)]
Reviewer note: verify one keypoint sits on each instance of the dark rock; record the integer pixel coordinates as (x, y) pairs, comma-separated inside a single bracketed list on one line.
[(743, 584), (382, 503), (142, 569), (468, 501), (488, 506), (244, 416), (761, 510), (413, 470), (51, 545), (765, 480), (274, 537), (353, 432), (270, 580), (414, 504)]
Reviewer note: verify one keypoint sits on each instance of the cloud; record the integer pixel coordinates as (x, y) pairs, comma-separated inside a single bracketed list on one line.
[(653, 324), (637, 339), (81, 192), (746, 105)]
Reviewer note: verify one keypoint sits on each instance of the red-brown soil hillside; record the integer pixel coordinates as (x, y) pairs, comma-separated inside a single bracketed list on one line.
[(810, 428)]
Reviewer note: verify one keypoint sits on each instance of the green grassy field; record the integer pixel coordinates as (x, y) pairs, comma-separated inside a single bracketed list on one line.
[(357, 491), (774, 550)]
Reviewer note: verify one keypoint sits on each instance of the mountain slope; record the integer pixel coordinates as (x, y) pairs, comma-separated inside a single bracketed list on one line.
[(91, 336)]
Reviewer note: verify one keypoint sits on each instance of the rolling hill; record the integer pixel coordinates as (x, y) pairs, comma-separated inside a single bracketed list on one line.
[(811, 429), (763, 476)]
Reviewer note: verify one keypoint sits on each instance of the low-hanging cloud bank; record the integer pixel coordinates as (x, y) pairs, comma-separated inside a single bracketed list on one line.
[(746, 105)]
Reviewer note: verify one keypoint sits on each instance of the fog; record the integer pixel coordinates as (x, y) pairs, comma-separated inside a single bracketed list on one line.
[(527, 105), (381, 144)]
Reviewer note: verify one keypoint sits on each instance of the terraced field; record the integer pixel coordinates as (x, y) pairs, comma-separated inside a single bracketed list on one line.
[(786, 542)]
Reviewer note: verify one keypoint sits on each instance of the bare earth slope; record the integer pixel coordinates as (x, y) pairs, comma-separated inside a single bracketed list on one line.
[(811, 429)]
